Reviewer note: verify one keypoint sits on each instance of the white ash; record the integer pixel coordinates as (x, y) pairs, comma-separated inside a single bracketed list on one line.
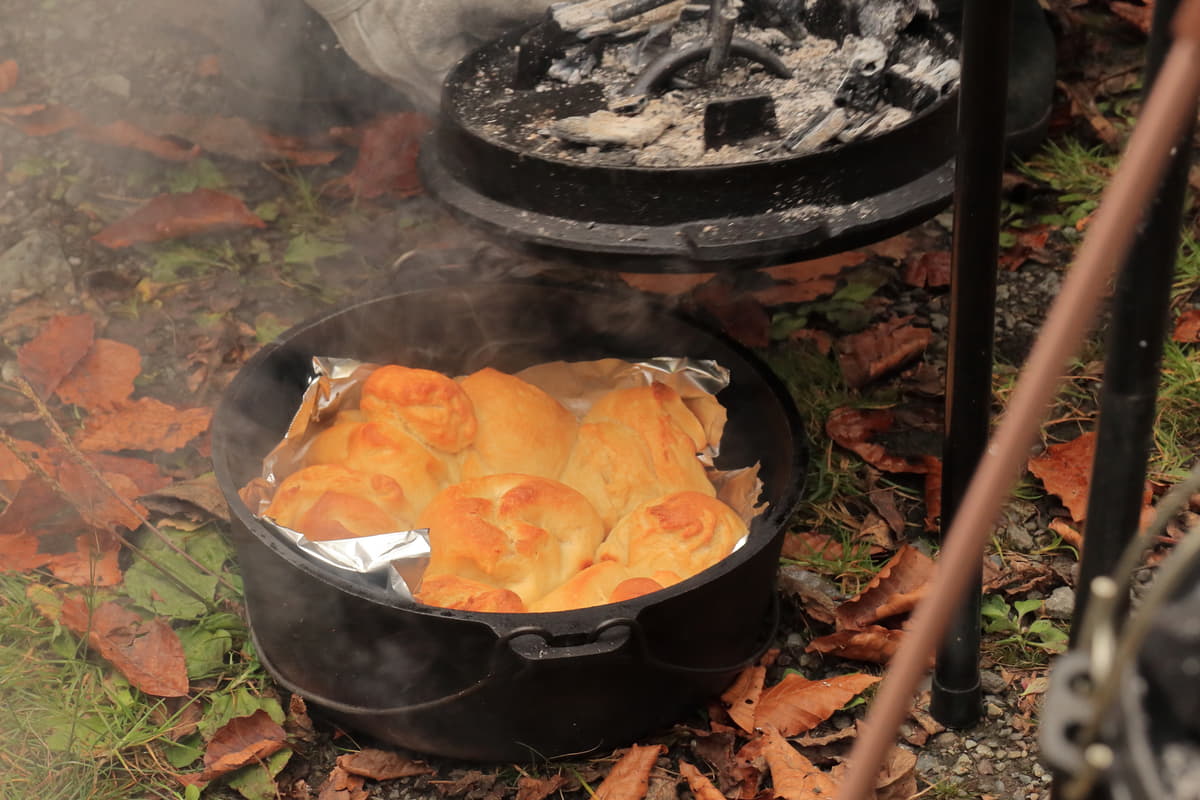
[(801, 103)]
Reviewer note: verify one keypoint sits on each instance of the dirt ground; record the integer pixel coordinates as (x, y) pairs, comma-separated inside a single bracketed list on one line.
[(120, 60)]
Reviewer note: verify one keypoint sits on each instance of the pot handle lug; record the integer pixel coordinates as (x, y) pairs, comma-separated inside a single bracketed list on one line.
[(536, 644)]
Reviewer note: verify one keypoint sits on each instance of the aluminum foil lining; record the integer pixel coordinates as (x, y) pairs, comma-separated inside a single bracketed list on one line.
[(397, 560)]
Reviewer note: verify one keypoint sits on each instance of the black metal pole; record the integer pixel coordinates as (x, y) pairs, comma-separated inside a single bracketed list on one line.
[(986, 34), (1140, 316)]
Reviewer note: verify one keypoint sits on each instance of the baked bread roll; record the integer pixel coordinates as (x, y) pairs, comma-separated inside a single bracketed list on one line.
[(685, 532), (451, 591), (520, 428), (603, 582), (331, 501), (425, 404), (517, 532), (634, 445)]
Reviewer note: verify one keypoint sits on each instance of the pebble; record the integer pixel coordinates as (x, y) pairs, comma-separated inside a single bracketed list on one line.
[(963, 765), (36, 264), (984, 751), (991, 682), (113, 84), (1061, 603), (945, 740), (993, 710)]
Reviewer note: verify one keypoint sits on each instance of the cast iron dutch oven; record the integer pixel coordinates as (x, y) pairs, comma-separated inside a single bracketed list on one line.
[(504, 686)]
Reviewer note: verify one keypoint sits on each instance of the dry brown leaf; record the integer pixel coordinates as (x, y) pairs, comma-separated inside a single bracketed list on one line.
[(1140, 16), (126, 134), (752, 767), (382, 765), (1020, 573), (240, 138), (99, 500), (933, 493), (856, 429), (884, 502), (341, 785), (19, 552), (1187, 327), (740, 315), (171, 216), (144, 474), (742, 697), (630, 777), (103, 379), (146, 651), (873, 353), (794, 776), (805, 281), (796, 704), (898, 780), (667, 283), (40, 119), (9, 72), (1069, 533), (185, 497), (11, 467), (701, 787), (1065, 470), (895, 589), (531, 788), (53, 353), (874, 644), (241, 741), (387, 157), (95, 561), (930, 269), (805, 545), (145, 424)]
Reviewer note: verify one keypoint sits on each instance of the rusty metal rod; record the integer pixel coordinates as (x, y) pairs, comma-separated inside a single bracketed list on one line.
[(1170, 107)]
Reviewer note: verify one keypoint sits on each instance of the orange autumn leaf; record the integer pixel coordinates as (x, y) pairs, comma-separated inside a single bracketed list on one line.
[(1065, 470), (880, 349), (805, 545), (145, 475), (103, 501), (145, 424), (240, 138), (9, 71), (1069, 533), (895, 589), (241, 741), (11, 467), (856, 429), (171, 216), (94, 562), (796, 704), (929, 269), (742, 697), (126, 134), (668, 283), (341, 785), (1140, 16), (874, 644), (382, 765), (146, 651), (53, 353), (933, 493), (805, 281), (794, 776), (898, 779), (701, 787), (20, 552), (209, 66), (103, 379), (40, 119), (1187, 327), (387, 157), (531, 788), (629, 778)]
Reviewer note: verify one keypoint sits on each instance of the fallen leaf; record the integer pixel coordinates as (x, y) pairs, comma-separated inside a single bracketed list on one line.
[(796, 704), (341, 785), (531, 788), (856, 429), (895, 589), (740, 315), (1030, 243), (38, 509), (240, 138), (99, 499), (898, 780), (751, 766), (630, 777), (146, 424), (382, 765), (1021, 573), (94, 562), (145, 475), (201, 493), (387, 158), (40, 119), (171, 216), (819, 596), (8, 74), (874, 644), (807, 545), (882, 348), (794, 776), (1187, 327), (1083, 104), (933, 493), (701, 787), (884, 502), (126, 134), (242, 741), (668, 283), (1065, 470), (806, 281), (1140, 16), (19, 552), (716, 748), (54, 352), (930, 269), (102, 379), (146, 651), (742, 697), (208, 66), (11, 467), (1069, 533)]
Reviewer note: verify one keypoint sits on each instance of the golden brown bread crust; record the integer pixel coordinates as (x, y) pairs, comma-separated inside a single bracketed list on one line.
[(600, 583), (425, 404), (635, 445), (451, 591), (331, 501), (520, 428), (517, 532), (685, 532)]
